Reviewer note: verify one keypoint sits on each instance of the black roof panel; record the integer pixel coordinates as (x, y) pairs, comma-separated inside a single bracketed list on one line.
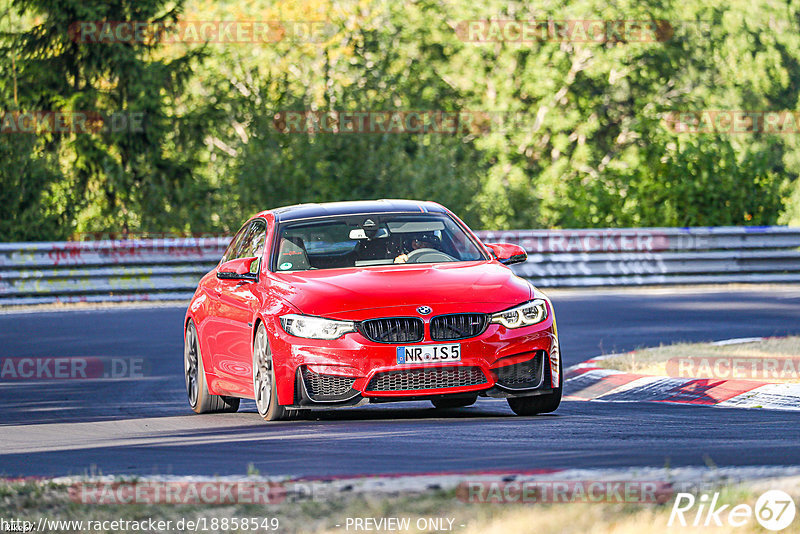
[(305, 211)]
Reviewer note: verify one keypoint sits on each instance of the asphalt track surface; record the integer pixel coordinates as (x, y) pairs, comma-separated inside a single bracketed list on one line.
[(144, 426)]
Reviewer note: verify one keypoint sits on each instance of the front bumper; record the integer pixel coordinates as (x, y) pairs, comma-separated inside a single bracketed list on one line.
[(500, 362)]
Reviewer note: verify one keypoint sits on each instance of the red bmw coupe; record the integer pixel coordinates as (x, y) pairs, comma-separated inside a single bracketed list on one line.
[(319, 306)]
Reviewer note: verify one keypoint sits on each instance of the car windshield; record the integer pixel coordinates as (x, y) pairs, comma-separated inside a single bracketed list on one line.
[(373, 239)]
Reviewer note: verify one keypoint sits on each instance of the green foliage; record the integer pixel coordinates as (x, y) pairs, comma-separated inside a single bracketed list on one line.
[(137, 170), (31, 207)]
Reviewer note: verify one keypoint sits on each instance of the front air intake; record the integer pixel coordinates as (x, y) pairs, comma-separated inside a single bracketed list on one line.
[(524, 375), (327, 388), (427, 378), (393, 330), (458, 326)]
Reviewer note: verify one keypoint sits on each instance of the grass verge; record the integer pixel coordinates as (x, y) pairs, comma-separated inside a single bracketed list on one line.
[(30, 500)]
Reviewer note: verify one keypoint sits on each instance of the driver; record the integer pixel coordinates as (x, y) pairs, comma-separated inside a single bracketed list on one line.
[(416, 243)]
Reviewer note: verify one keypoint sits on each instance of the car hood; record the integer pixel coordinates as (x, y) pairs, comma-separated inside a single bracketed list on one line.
[(348, 293)]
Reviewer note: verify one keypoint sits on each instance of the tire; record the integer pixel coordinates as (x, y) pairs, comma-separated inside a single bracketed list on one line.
[(454, 402), (265, 391), (200, 400), (539, 403)]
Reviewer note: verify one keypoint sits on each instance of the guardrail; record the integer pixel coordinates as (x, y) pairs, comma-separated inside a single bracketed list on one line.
[(169, 269), (105, 271), (656, 256)]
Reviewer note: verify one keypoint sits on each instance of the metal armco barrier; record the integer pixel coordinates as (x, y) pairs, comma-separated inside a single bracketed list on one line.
[(169, 269), (656, 256), (105, 271)]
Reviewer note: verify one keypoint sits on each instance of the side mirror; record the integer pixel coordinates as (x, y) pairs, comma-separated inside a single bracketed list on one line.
[(238, 269), (508, 254)]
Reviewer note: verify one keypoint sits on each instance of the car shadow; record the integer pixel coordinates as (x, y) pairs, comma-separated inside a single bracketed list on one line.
[(412, 410)]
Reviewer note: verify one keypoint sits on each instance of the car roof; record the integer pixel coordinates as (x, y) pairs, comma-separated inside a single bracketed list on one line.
[(358, 207)]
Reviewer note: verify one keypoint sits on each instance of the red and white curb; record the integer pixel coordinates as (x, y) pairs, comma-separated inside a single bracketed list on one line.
[(586, 381)]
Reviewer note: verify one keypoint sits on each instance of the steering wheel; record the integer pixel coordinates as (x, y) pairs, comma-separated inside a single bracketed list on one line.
[(428, 255)]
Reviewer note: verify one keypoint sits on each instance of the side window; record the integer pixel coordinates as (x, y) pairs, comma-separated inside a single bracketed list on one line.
[(232, 252), (254, 244)]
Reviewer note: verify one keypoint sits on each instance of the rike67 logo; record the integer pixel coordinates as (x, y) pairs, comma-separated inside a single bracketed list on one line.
[(774, 510)]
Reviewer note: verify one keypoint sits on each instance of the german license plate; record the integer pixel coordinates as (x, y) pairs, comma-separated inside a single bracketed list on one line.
[(429, 354)]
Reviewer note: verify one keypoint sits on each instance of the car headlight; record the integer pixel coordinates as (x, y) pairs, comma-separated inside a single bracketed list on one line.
[(532, 312), (315, 327)]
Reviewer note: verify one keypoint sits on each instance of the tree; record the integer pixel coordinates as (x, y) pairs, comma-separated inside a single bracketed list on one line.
[(134, 167)]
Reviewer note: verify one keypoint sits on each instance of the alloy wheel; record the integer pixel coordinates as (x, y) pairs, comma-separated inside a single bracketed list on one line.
[(262, 372), (190, 357)]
